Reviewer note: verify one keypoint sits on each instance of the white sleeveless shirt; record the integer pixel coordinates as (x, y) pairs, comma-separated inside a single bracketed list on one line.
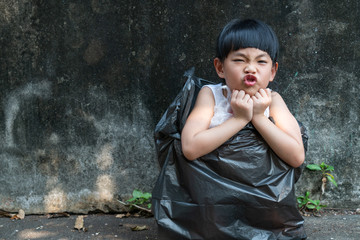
[(222, 108)]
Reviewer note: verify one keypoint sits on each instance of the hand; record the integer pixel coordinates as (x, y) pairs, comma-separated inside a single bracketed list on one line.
[(261, 100), (242, 105)]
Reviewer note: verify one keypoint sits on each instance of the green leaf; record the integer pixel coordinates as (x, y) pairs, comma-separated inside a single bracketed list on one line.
[(137, 194), (329, 168), (313, 167), (331, 179), (329, 175), (310, 206), (315, 202), (131, 199), (147, 196), (301, 201), (320, 207)]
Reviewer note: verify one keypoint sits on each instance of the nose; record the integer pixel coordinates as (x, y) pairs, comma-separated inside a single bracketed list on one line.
[(250, 68)]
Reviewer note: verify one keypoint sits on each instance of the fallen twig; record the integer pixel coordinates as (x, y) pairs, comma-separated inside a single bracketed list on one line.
[(136, 206), (20, 215), (6, 214)]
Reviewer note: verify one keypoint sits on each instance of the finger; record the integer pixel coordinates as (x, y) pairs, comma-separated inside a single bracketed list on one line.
[(262, 92), (268, 91), (239, 95), (257, 95), (246, 97), (236, 97), (234, 94)]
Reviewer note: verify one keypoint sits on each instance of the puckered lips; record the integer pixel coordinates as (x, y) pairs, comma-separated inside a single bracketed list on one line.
[(250, 80)]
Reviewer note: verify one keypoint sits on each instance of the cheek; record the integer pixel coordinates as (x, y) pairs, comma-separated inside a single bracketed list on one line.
[(234, 73), (271, 77)]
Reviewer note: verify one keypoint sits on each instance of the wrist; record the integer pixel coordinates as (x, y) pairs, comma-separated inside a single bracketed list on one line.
[(258, 118), (239, 122), (242, 118)]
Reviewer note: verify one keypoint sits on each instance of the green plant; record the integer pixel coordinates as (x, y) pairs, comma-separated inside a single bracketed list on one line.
[(325, 174), (315, 205), (303, 200), (306, 203), (140, 198)]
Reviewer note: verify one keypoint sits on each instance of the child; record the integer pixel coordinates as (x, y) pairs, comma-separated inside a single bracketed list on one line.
[(243, 147), (247, 59)]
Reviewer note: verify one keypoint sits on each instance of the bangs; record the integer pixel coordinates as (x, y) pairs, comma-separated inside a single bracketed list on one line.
[(247, 34)]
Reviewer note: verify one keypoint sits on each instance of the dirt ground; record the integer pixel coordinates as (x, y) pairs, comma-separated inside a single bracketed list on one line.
[(331, 224)]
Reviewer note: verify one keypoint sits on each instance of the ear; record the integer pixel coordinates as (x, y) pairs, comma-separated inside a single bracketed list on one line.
[(273, 71), (219, 68)]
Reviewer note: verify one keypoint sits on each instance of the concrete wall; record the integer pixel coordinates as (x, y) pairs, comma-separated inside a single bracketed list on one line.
[(83, 84)]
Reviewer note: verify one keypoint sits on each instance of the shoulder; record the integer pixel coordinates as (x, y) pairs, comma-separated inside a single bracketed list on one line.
[(277, 99), (278, 107), (275, 94), (206, 90), (280, 112), (205, 97), (203, 109), (213, 87)]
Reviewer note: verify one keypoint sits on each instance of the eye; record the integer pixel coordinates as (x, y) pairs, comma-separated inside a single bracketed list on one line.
[(238, 60), (262, 62)]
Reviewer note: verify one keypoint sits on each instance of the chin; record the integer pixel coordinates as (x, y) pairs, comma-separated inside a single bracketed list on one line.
[(251, 92)]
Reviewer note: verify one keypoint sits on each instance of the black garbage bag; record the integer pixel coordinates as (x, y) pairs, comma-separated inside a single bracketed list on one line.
[(222, 195)]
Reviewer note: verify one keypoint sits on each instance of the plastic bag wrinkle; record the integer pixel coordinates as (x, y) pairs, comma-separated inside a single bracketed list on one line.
[(222, 195)]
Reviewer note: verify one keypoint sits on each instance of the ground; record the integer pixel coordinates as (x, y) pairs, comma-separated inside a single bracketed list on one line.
[(329, 224)]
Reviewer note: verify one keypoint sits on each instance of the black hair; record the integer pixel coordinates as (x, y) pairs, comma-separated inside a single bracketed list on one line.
[(251, 33)]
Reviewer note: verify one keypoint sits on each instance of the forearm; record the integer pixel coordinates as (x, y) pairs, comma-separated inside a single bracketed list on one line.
[(204, 142), (287, 147)]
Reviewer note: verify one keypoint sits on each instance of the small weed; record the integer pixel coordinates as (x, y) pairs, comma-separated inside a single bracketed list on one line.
[(306, 203), (325, 174), (139, 198)]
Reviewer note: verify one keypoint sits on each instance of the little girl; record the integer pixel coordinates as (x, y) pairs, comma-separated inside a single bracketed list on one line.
[(242, 148)]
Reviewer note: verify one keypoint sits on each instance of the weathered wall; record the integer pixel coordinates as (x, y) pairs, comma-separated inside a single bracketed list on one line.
[(83, 84)]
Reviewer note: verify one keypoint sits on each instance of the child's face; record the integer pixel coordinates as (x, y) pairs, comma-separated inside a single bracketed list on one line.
[(248, 69)]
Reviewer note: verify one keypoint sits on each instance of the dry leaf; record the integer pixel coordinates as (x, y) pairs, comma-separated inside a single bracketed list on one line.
[(120, 215), (14, 217), (358, 211), (139, 228), (20, 215), (79, 223)]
